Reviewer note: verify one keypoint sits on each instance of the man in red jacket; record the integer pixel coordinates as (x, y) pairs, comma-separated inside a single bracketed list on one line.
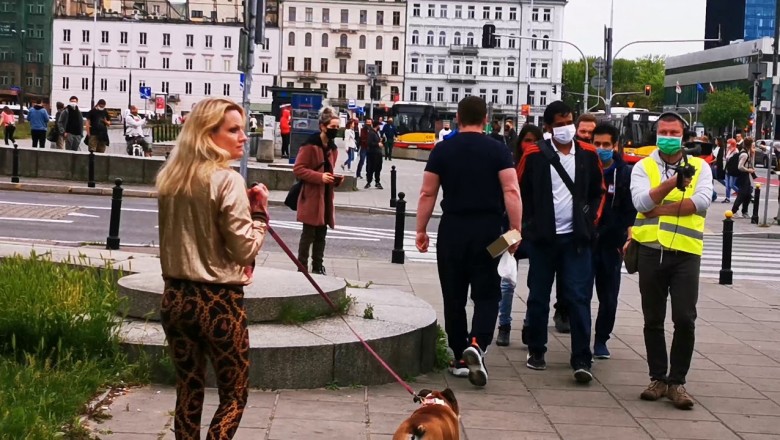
[(285, 128)]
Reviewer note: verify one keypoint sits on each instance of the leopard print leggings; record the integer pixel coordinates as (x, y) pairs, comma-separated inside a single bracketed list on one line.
[(207, 320)]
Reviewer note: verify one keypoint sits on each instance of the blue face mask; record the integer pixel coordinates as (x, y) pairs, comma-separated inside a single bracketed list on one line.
[(605, 155)]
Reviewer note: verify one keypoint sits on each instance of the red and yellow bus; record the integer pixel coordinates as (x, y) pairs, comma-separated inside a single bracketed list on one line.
[(416, 125)]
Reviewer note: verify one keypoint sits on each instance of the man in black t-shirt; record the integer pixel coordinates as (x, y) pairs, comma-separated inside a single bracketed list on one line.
[(97, 127), (478, 179)]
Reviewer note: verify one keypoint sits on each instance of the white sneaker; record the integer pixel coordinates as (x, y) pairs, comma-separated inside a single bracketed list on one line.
[(475, 360), (458, 368)]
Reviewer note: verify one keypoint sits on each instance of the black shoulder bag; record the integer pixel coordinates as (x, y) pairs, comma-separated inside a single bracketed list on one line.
[(291, 201)]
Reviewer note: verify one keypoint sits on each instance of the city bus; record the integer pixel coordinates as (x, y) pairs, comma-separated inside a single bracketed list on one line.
[(416, 125)]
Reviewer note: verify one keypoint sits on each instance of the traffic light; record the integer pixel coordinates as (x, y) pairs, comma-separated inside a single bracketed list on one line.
[(489, 36), (648, 90), (759, 92)]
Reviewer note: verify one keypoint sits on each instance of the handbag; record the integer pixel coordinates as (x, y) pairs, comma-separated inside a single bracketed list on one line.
[(53, 133), (631, 258)]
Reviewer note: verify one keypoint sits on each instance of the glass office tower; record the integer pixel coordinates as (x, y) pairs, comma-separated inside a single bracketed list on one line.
[(759, 19)]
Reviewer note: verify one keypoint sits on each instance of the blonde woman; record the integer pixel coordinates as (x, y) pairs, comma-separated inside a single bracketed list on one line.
[(211, 229)]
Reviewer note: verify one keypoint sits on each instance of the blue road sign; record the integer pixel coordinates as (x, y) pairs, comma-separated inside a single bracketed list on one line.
[(351, 104), (146, 92), (16, 88)]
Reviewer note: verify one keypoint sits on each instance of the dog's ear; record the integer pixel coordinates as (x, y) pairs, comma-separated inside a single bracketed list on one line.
[(421, 395), (449, 396)]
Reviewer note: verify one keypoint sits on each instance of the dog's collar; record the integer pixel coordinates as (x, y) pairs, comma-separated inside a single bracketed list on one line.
[(429, 400)]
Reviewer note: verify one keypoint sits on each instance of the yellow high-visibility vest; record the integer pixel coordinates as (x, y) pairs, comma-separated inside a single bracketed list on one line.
[(685, 233)]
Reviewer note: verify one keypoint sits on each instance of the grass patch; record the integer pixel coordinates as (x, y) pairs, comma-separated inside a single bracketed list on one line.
[(58, 345), (292, 313), (22, 131), (368, 313), (442, 358)]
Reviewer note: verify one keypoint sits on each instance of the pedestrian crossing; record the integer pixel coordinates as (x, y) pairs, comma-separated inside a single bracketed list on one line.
[(756, 259)]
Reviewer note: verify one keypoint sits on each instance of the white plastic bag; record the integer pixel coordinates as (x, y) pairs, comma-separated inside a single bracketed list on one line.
[(507, 268)]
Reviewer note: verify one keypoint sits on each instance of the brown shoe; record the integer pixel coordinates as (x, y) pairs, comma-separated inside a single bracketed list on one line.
[(654, 391), (679, 397)]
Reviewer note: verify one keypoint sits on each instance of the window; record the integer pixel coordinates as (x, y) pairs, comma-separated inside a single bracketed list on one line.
[(379, 42), (542, 98), (188, 88), (472, 12), (456, 39), (469, 67), (345, 15), (431, 11), (165, 86), (512, 14), (309, 15), (470, 39), (441, 66), (494, 96), (414, 64), (429, 66), (166, 63), (307, 64), (85, 36), (324, 40), (467, 92), (429, 38), (324, 86), (499, 13), (442, 11), (363, 16), (483, 68), (65, 83), (535, 14), (264, 92), (123, 62), (66, 35), (362, 42), (440, 94), (498, 41), (85, 59), (428, 94), (226, 89), (291, 39), (534, 43), (123, 38), (290, 63), (483, 94), (380, 18), (84, 83), (455, 95), (325, 15), (207, 89), (456, 67), (510, 97), (290, 84), (104, 37), (546, 43), (362, 66), (361, 91), (228, 42), (190, 40), (415, 37), (533, 70), (324, 65), (103, 84), (207, 64), (197, 14), (396, 43), (394, 68), (188, 64), (226, 65), (291, 13), (307, 39), (510, 69), (122, 85), (142, 39), (416, 10), (342, 66), (413, 93), (496, 68), (396, 18), (544, 70), (442, 39), (66, 59), (547, 15), (486, 12), (343, 40), (512, 41), (342, 91), (264, 67), (458, 11)]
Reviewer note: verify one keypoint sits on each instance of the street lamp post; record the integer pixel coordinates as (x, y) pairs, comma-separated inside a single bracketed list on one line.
[(22, 36), (94, 41)]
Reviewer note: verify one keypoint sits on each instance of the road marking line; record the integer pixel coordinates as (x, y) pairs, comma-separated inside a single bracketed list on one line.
[(78, 214), (40, 220)]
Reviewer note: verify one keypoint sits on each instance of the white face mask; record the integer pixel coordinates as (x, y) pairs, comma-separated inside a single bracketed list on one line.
[(565, 134)]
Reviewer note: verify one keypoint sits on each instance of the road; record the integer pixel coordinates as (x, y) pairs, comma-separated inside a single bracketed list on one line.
[(78, 219)]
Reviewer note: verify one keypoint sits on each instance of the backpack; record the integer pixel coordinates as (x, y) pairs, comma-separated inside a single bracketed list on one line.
[(732, 164)]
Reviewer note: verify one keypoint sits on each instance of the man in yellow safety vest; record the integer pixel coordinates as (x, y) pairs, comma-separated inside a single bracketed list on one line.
[(671, 193)]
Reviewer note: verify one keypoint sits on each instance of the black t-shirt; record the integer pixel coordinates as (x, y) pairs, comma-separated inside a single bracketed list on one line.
[(468, 165), (97, 121)]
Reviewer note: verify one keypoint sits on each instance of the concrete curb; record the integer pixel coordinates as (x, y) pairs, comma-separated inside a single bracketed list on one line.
[(150, 194)]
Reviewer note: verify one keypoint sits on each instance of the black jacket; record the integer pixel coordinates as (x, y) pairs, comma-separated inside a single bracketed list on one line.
[(619, 212), (536, 192)]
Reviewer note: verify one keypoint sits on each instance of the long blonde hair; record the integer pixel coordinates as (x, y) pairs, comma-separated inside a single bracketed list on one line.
[(195, 156)]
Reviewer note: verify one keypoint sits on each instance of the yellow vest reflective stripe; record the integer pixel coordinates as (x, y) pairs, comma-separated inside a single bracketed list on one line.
[(684, 233)]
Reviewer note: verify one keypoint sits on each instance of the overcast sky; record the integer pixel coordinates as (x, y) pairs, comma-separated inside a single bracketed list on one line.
[(634, 20)]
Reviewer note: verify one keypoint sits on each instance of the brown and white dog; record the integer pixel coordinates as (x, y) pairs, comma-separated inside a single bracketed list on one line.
[(436, 419)]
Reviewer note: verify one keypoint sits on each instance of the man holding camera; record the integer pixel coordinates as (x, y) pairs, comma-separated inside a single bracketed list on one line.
[(671, 193)]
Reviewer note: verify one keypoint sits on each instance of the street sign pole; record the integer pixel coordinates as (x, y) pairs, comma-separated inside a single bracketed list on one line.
[(775, 80), (250, 13)]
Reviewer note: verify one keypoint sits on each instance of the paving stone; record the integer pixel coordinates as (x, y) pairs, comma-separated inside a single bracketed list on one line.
[(595, 399), (472, 420), (498, 402), (663, 409), (752, 423), (496, 434), (740, 406), (686, 429), (578, 432), (286, 429), (746, 436), (714, 389), (744, 360), (589, 416), (762, 372), (316, 411)]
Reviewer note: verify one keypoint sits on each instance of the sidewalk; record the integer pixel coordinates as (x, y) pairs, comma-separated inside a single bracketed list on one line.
[(735, 377)]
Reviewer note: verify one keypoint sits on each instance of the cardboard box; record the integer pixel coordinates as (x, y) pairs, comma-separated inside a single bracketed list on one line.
[(503, 243)]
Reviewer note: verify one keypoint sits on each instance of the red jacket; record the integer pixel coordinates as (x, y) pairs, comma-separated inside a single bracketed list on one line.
[(284, 122)]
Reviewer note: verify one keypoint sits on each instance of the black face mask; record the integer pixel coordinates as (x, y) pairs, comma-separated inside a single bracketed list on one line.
[(331, 133)]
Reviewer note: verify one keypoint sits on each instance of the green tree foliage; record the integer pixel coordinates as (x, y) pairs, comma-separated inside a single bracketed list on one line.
[(725, 106), (627, 76)]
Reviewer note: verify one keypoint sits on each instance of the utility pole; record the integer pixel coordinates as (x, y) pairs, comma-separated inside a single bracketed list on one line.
[(248, 33), (609, 69), (22, 35), (775, 79), (94, 41)]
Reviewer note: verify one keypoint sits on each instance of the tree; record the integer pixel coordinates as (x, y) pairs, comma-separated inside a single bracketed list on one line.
[(725, 107)]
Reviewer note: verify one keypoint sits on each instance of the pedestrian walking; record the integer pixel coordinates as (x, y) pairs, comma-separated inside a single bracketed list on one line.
[(9, 125), (731, 180), (479, 184), (54, 135), (671, 192), (39, 124), (97, 127), (349, 144), (745, 169), (71, 125), (445, 131), (373, 157), (389, 133), (211, 229), (363, 147), (562, 186), (285, 128), (314, 167)]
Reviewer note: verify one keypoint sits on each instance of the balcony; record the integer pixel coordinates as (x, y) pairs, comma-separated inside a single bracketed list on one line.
[(343, 52), (338, 102), (382, 79), (307, 75), (459, 49), (461, 79)]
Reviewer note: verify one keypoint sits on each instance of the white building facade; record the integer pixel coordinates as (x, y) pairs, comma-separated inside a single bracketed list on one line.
[(327, 44), (445, 61), (184, 61)]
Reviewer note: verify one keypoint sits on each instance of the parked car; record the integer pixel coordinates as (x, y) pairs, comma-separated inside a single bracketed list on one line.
[(762, 153)]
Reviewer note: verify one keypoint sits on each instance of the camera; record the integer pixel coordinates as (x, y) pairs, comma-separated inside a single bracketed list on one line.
[(685, 171)]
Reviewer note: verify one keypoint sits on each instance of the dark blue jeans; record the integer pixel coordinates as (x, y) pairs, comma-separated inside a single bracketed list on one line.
[(607, 263), (363, 153), (574, 268)]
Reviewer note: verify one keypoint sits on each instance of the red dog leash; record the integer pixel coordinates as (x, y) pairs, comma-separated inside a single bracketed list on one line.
[(327, 299)]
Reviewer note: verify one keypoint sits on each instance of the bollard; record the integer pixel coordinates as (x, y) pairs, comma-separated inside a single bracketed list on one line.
[(15, 165), (392, 187), (91, 170), (726, 274), (112, 242), (400, 223), (756, 200)]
